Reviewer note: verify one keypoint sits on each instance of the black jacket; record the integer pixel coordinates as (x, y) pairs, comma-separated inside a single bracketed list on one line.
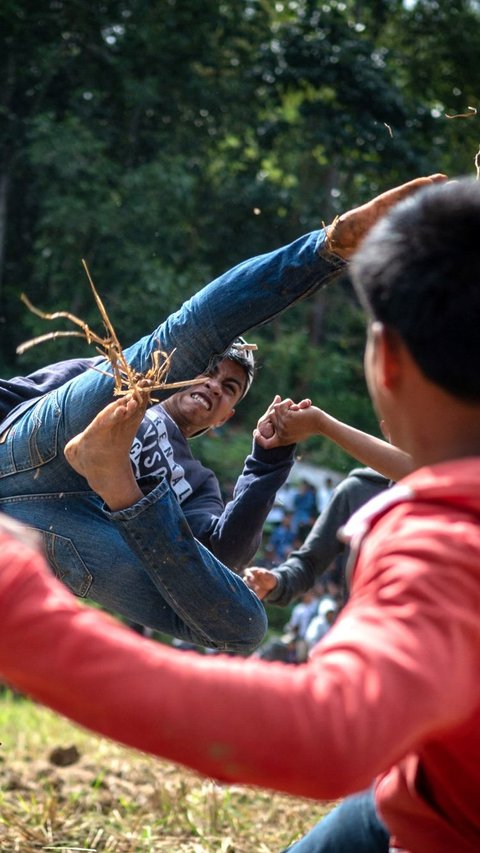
[(304, 567)]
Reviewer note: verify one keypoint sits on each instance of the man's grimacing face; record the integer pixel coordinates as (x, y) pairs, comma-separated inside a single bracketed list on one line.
[(211, 402)]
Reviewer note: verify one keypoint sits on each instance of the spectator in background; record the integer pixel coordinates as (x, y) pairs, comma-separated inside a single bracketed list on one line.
[(282, 539), (325, 493), (322, 621), (276, 513), (286, 495), (300, 619), (292, 646), (304, 509), (284, 503)]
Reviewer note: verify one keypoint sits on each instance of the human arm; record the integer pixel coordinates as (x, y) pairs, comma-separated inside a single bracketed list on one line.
[(295, 424), (19, 393), (235, 535), (299, 572), (261, 581), (84, 665), (233, 532), (304, 566)]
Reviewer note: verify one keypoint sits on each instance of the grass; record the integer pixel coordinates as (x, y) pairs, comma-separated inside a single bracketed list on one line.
[(64, 789)]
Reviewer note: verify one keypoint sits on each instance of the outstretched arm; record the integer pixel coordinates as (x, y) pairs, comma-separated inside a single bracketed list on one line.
[(292, 423), (235, 535), (305, 565), (107, 678)]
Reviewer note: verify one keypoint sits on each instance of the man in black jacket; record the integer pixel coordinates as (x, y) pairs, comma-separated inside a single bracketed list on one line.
[(303, 567)]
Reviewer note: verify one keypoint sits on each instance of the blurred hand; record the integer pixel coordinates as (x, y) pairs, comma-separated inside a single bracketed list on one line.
[(264, 426), (260, 581), (266, 433), (294, 423)]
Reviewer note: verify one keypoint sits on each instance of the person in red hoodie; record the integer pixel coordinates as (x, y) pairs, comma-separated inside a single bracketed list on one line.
[(386, 713)]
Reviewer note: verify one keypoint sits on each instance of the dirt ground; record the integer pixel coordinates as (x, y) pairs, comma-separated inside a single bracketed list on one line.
[(88, 794)]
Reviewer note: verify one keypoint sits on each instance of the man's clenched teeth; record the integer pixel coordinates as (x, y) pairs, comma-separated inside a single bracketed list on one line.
[(201, 398)]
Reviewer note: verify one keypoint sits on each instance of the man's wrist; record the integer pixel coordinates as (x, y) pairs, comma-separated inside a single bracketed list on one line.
[(334, 242), (276, 593), (271, 455), (328, 253)]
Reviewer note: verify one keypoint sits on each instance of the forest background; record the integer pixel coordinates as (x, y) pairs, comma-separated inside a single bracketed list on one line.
[(166, 140)]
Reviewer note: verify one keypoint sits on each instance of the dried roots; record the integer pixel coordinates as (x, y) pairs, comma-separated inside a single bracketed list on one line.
[(126, 380)]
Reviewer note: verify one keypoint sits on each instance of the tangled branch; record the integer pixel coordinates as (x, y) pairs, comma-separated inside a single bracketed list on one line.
[(126, 379)]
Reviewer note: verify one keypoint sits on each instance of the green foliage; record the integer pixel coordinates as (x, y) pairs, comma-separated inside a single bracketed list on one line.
[(165, 142)]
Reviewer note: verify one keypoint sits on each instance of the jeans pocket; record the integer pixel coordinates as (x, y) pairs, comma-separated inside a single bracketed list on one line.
[(66, 563), (32, 441)]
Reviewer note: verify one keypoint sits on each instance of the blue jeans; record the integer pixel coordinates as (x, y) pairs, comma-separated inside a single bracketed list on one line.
[(143, 562), (352, 827)]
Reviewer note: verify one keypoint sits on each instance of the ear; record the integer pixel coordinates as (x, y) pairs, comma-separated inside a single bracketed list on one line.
[(224, 421), (389, 350), (384, 430)]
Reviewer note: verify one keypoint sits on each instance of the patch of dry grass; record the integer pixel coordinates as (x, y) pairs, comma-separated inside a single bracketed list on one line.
[(119, 801)]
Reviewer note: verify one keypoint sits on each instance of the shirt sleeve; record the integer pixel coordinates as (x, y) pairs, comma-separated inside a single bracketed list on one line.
[(236, 534), (313, 723), (303, 567)]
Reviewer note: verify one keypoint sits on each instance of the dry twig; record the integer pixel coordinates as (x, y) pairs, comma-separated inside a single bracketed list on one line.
[(126, 379), (471, 114)]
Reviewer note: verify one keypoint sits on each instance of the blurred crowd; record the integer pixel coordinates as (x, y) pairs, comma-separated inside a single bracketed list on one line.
[(296, 509), (293, 515)]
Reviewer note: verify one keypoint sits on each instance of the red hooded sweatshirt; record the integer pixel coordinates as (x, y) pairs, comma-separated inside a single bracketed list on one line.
[(390, 697)]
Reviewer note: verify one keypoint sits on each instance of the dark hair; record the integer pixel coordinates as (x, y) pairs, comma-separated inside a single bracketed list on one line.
[(242, 353), (418, 272)]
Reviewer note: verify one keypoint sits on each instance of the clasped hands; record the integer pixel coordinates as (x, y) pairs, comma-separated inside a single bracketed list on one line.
[(286, 422)]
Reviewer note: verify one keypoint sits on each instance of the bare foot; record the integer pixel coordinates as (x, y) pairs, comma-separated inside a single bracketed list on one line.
[(101, 452), (348, 230)]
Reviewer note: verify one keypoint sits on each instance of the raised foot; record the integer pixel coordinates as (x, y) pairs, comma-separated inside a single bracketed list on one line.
[(346, 233), (101, 452)]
